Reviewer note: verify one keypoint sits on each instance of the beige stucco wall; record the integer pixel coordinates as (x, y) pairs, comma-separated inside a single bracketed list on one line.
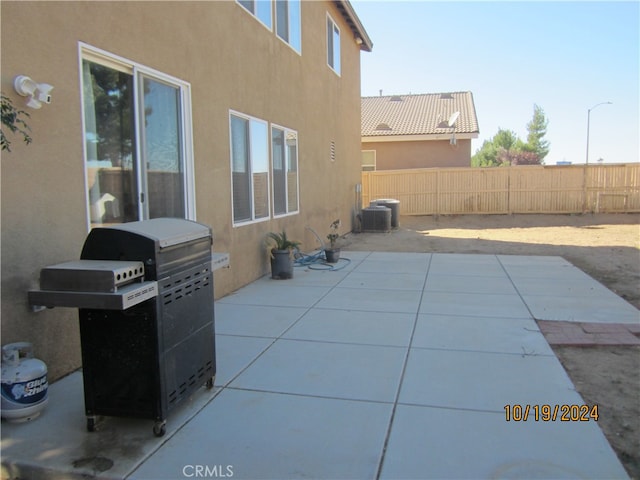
[(231, 62), (420, 154)]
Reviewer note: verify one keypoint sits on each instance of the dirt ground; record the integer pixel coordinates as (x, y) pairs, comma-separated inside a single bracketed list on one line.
[(605, 246)]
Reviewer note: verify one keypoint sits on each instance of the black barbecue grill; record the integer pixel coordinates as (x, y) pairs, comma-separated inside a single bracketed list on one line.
[(145, 296)]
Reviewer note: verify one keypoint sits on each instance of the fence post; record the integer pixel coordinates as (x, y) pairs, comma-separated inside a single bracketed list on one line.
[(437, 192), (584, 188), (510, 172)]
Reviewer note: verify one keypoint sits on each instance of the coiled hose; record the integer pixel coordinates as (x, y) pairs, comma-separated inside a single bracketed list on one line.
[(316, 260)]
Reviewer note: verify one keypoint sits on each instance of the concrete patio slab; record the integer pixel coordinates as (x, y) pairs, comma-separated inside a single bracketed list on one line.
[(472, 444), (468, 265), (398, 257), (254, 320), (261, 435), (577, 309), (554, 289), (269, 293), (527, 260), (391, 262), (394, 366), (372, 300), (478, 304), (335, 370), (352, 326), (325, 277), (439, 282), (387, 281), (238, 353), (481, 334), (523, 379), (562, 287), (546, 270)]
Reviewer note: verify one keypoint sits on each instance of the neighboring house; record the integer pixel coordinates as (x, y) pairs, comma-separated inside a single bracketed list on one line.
[(240, 115), (418, 131)]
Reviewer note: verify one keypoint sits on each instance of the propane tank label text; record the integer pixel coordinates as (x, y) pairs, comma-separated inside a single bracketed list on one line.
[(26, 392)]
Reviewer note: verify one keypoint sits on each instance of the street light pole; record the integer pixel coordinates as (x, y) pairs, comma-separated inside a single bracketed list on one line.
[(588, 120)]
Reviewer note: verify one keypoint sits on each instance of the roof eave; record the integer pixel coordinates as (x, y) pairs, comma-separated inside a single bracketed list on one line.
[(359, 33), (416, 138)]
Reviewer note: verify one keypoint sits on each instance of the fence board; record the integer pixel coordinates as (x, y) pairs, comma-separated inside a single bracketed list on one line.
[(519, 189)]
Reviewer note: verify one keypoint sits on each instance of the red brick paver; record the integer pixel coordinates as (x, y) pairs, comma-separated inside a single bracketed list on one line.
[(588, 334)]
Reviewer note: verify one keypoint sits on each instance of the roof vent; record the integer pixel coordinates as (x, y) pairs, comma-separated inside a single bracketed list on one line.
[(446, 96), (395, 98), (383, 126)]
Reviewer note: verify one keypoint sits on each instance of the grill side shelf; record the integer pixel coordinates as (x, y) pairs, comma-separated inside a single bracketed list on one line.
[(125, 297)]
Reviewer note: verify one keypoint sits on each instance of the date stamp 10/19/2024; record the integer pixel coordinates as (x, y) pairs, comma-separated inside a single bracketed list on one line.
[(551, 413)]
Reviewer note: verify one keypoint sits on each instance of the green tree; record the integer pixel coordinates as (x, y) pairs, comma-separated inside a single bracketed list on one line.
[(505, 148), (488, 155), (537, 129)]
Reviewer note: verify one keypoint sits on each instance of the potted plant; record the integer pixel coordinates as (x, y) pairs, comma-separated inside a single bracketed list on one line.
[(281, 255), (332, 253)]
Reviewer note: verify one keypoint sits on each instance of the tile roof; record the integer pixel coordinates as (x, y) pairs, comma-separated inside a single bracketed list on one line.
[(422, 114)]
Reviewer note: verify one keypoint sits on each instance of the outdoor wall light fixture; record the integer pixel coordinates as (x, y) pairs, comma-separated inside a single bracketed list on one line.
[(36, 93)]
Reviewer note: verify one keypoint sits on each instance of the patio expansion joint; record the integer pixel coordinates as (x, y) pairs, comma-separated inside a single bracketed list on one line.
[(467, 315), (338, 342), (310, 395), (522, 354), (453, 409), (402, 374), (515, 286)]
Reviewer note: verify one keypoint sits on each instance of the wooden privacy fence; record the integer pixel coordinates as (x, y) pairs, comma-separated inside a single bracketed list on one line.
[(500, 190)]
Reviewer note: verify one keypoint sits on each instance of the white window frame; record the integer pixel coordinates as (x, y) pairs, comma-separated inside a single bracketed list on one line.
[(251, 220), (333, 50), (368, 165), (257, 17), (298, 50), (286, 159), (108, 59)]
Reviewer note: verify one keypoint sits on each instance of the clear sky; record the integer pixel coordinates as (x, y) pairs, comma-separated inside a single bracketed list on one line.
[(565, 57)]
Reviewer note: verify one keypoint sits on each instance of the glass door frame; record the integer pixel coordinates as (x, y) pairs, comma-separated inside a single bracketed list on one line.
[(93, 54)]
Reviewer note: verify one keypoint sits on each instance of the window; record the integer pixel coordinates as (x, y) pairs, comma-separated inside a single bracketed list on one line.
[(249, 168), (368, 160), (253, 172), (138, 148), (261, 9), (288, 22), (333, 45), (284, 150)]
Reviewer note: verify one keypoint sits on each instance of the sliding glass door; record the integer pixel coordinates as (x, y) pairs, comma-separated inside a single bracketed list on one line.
[(137, 143)]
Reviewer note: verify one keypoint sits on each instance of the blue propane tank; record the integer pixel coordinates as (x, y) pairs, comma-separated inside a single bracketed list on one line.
[(24, 383)]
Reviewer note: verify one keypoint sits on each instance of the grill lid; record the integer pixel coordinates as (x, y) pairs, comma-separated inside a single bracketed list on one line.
[(166, 231)]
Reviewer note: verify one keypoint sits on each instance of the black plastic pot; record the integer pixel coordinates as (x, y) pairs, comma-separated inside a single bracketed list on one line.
[(332, 255), (281, 264)]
